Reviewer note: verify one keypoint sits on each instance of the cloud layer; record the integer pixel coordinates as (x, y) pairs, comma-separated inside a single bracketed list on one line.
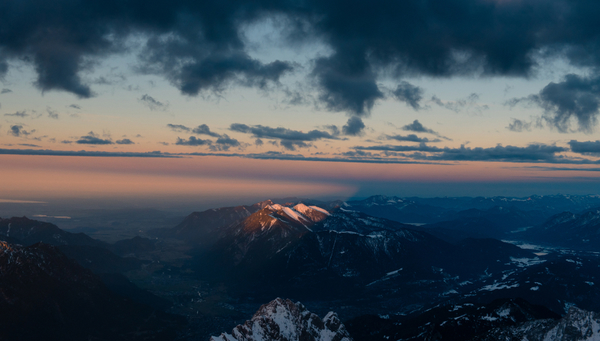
[(288, 138), (199, 46)]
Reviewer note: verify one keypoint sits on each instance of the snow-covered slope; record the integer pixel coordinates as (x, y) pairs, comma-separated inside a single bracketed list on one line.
[(577, 325), (283, 320)]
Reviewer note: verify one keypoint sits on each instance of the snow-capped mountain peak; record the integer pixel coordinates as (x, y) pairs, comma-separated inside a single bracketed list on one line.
[(283, 320), (300, 213)]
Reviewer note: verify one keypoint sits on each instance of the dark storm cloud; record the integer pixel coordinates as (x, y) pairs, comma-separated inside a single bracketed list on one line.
[(519, 125), (531, 153), (152, 103), (124, 141), (347, 84), (354, 127), (199, 46), (5, 91), (410, 138), (204, 130), (208, 72), (75, 106), (410, 94), (178, 127), (3, 68), (192, 141), (575, 98), (586, 148)]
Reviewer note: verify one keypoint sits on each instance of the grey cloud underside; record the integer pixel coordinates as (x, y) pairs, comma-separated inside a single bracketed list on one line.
[(192, 141), (178, 127), (531, 153), (410, 138), (417, 127), (82, 153), (333, 129), (124, 141), (18, 130), (198, 45), (204, 130), (289, 139), (18, 114), (354, 127), (227, 141), (90, 139), (574, 98), (410, 94), (223, 141), (519, 125), (422, 154), (586, 147), (3, 70), (152, 103)]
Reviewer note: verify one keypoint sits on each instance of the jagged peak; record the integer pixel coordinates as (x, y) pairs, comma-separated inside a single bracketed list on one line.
[(301, 208), (281, 320), (275, 207), (6, 247), (307, 209), (264, 203)]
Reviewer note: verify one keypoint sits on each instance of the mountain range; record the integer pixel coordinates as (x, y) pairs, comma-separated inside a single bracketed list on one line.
[(46, 296), (403, 268)]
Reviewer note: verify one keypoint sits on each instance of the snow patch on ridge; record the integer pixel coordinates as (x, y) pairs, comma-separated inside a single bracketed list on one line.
[(294, 215), (302, 208), (316, 208)]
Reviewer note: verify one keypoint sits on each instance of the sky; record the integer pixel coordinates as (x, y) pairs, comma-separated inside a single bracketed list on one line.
[(154, 101)]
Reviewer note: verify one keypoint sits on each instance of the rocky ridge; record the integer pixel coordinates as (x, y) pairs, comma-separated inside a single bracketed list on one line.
[(283, 320)]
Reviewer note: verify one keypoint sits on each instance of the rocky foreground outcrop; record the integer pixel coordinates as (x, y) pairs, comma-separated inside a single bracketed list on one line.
[(284, 320)]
